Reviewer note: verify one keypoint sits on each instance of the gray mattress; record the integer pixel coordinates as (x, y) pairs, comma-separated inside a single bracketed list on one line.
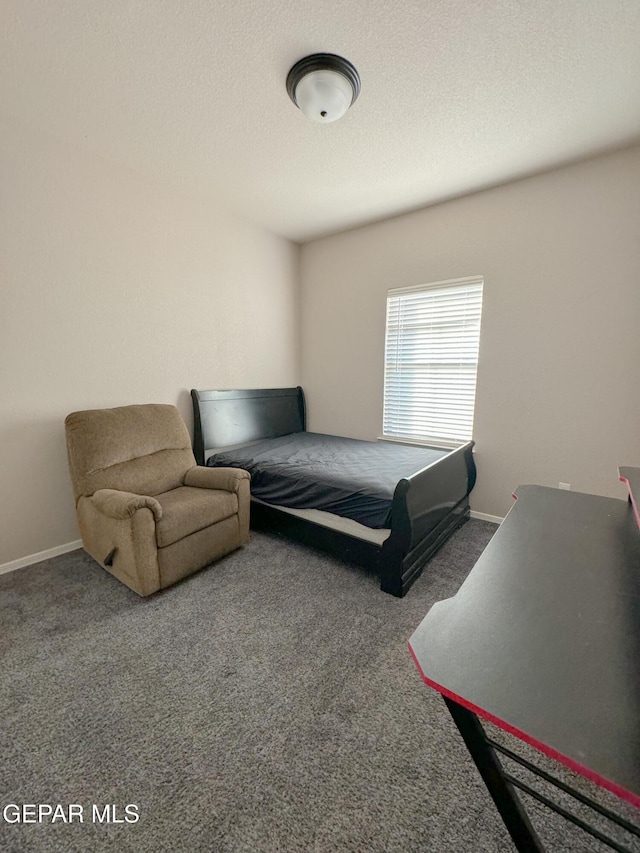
[(346, 476)]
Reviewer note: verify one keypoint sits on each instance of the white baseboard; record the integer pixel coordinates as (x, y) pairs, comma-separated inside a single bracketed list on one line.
[(72, 546), (482, 516), (41, 555)]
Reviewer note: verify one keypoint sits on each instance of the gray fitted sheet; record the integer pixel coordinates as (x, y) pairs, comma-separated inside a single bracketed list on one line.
[(346, 476)]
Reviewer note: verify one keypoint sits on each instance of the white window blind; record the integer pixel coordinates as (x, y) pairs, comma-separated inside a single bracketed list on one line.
[(431, 360)]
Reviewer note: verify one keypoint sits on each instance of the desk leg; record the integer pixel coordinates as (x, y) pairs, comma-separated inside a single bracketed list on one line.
[(503, 794)]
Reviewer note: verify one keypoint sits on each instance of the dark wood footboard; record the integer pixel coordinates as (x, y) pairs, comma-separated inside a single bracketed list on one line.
[(427, 508)]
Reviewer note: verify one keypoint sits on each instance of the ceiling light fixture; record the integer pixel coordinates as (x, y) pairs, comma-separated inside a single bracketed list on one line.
[(323, 86)]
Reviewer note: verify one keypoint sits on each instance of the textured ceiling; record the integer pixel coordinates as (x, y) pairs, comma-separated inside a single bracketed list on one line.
[(457, 95)]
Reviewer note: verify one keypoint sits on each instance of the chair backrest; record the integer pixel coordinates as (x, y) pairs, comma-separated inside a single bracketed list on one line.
[(143, 449)]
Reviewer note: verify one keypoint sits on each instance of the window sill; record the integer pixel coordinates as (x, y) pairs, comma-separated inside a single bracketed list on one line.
[(418, 442)]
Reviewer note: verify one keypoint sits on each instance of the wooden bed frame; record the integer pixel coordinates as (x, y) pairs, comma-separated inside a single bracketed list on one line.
[(427, 507)]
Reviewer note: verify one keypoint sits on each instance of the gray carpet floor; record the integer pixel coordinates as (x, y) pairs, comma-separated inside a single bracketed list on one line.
[(268, 703)]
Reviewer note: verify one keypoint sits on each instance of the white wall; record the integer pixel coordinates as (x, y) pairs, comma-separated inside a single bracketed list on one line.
[(115, 291), (557, 395)]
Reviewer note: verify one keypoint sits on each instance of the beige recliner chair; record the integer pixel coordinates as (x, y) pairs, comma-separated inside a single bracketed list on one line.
[(146, 511)]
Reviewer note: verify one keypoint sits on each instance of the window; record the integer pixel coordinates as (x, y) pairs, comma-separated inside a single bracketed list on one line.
[(431, 361)]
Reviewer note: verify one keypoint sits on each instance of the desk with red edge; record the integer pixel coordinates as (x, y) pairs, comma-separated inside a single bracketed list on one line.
[(543, 640)]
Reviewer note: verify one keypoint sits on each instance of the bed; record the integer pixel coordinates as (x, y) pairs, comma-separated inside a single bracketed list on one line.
[(383, 505)]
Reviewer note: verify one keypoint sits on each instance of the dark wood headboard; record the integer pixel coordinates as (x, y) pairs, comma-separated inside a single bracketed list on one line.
[(222, 418)]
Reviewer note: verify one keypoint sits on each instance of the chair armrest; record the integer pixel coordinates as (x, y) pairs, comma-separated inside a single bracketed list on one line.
[(118, 504), (227, 479)]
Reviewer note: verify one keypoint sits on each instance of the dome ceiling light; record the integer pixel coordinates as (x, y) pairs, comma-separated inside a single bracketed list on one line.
[(323, 86)]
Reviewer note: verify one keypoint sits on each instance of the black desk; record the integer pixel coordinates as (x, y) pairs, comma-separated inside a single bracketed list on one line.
[(543, 639)]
